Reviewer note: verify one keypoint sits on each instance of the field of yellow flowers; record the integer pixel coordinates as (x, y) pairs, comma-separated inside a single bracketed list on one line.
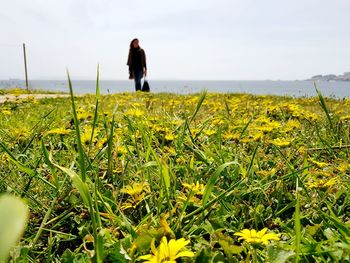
[(137, 177)]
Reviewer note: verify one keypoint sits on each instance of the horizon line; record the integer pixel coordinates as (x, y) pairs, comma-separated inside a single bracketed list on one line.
[(156, 79)]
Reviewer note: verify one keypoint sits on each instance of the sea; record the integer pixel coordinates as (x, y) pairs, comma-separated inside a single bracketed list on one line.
[(336, 89)]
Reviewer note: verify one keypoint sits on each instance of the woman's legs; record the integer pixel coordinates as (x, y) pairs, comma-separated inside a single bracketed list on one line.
[(138, 74)]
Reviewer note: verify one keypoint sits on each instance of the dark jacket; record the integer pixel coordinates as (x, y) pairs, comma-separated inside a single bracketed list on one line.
[(140, 63)]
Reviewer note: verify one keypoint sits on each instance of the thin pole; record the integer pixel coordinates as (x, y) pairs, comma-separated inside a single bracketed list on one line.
[(25, 65)]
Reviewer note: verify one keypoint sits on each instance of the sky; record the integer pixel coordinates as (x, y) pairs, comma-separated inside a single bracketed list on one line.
[(183, 39)]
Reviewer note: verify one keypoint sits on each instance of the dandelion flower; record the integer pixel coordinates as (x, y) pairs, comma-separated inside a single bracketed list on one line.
[(209, 132), (135, 189), (323, 183), (318, 164), (137, 192), (60, 131), (253, 237), (169, 137), (168, 251), (281, 142), (135, 112), (6, 112), (196, 188)]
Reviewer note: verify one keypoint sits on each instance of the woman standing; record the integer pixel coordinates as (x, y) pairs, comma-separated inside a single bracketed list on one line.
[(136, 63)]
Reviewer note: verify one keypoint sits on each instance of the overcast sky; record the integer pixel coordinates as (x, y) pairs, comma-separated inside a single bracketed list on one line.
[(183, 39)]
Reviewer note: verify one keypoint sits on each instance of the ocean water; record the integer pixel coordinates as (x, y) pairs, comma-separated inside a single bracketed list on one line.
[(289, 88)]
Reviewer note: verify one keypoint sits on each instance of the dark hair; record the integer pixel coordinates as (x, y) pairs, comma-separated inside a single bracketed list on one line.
[(132, 42)]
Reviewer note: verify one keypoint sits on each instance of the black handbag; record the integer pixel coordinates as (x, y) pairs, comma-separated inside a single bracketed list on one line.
[(145, 86)]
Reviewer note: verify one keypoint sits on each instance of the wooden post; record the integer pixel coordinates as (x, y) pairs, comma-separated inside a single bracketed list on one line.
[(25, 65)]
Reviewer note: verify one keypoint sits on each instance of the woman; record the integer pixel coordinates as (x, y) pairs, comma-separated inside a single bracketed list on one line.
[(136, 63)]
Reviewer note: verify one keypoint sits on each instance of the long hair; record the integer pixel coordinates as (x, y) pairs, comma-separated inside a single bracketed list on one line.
[(131, 51), (132, 42)]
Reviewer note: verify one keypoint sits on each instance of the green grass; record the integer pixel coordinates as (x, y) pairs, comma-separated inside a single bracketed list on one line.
[(105, 176)]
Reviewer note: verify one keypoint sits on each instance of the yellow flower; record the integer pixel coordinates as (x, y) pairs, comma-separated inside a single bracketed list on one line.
[(291, 125), (137, 192), (255, 136), (323, 183), (311, 116), (209, 132), (168, 252), (194, 132), (121, 150), (169, 137), (253, 237), (268, 127), (343, 167), (86, 136), (281, 142), (6, 112), (83, 115), (176, 122), (102, 143), (267, 173), (169, 150), (318, 164), (231, 135), (197, 189), (345, 118), (135, 189), (164, 225), (134, 112), (180, 160), (194, 200), (60, 131), (217, 121), (20, 134)]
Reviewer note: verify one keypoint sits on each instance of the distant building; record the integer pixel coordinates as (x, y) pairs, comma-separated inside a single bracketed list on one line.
[(332, 77)]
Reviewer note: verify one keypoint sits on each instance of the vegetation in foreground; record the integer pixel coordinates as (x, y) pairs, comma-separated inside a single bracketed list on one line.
[(167, 178)]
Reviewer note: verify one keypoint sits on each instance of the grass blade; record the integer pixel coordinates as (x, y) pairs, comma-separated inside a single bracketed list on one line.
[(210, 185), (324, 107), (297, 223), (77, 130), (199, 105)]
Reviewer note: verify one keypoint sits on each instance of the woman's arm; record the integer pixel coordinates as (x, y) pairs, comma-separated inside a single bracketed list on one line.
[(129, 62), (144, 64)]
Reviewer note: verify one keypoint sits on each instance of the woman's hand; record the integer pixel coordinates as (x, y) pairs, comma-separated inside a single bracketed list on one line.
[(145, 72)]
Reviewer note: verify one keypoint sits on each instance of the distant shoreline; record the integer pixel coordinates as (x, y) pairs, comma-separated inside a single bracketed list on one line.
[(297, 88), (331, 77)]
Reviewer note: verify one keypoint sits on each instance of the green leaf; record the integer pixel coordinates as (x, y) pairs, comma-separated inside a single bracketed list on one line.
[(67, 256), (343, 229), (79, 184), (204, 256), (210, 185), (279, 255), (77, 131), (166, 177), (312, 229), (143, 241), (13, 219), (150, 164)]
